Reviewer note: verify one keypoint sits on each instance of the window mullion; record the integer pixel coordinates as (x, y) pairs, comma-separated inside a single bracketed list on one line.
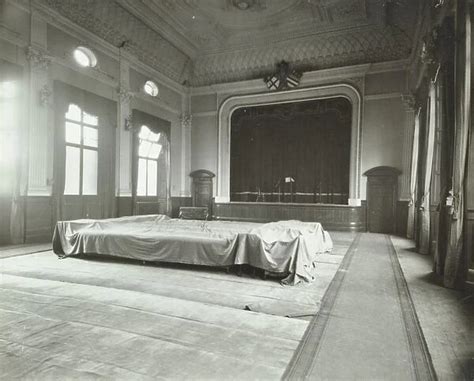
[(81, 176), (157, 182), (146, 177)]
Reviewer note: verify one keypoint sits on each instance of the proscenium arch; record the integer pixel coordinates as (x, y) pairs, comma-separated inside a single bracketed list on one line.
[(232, 103)]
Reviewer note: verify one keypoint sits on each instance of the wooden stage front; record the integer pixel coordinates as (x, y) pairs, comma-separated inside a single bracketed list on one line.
[(331, 216)]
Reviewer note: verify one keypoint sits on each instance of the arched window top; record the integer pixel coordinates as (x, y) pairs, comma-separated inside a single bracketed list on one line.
[(85, 57), (151, 88)]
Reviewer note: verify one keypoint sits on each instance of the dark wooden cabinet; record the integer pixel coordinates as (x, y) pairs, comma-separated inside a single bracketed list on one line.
[(382, 194)]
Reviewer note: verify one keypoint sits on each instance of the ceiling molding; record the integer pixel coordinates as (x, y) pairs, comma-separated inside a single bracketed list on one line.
[(310, 78), (206, 42)]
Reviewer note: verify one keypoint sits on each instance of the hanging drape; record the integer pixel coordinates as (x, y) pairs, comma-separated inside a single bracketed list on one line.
[(12, 137), (157, 126), (105, 110), (413, 177), (424, 243), (455, 270)]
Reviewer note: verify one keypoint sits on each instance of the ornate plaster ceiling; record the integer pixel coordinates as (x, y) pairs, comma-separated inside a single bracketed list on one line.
[(202, 42)]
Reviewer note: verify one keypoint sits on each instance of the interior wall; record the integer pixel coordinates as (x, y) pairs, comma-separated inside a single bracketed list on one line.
[(43, 44), (385, 126)]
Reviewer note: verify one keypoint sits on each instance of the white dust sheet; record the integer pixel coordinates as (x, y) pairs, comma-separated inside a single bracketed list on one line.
[(286, 247)]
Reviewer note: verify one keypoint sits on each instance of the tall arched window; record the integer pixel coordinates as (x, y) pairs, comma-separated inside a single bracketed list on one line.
[(149, 149), (82, 140)]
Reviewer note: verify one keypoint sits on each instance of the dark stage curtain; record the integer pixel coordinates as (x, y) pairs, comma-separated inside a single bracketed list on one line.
[(156, 125), (308, 142), (106, 111)]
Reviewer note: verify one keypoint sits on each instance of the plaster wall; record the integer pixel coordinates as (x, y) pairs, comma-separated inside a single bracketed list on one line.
[(56, 41), (384, 121)]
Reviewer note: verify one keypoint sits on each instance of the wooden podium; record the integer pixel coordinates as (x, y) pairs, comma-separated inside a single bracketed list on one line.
[(201, 194)]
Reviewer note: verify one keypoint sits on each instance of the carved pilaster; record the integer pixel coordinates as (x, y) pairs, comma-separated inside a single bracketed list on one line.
[(124, 95), (186, 123), (45, 94), (409, 103)]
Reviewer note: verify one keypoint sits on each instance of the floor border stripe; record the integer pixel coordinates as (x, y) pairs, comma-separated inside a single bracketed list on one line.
[(301, 363), (421, 358)]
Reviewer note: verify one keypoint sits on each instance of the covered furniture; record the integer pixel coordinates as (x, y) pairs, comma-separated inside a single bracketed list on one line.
[(286, 247)]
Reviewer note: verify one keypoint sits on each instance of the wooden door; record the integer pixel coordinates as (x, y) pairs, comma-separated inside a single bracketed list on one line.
[(382, 183), (380, 205)]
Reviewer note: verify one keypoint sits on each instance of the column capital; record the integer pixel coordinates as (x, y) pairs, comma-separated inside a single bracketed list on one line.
[(186, 120), (125, 95), (409, 101), (38, 58)]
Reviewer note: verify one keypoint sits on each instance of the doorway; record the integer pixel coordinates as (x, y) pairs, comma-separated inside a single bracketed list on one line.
[(382, 192)]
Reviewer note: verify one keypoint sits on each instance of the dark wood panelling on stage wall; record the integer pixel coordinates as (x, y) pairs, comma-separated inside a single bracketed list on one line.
[(332, 217), (177, 202), (39, 219)]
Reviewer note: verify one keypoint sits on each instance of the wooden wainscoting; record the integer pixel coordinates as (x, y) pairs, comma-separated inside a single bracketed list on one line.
[(124, 206), (39, 219), (177, 202), (332, 217)]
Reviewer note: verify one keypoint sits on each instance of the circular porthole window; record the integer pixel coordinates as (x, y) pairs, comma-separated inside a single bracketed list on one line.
[(85, 57), (151, 88)]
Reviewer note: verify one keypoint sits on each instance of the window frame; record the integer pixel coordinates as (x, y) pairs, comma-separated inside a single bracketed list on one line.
[(147, 159), (88, 53), (154, 88), (81, 146)]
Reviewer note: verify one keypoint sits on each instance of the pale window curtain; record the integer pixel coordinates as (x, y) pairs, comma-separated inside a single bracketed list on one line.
[(413, 177), (455, 270), (12, 157), (425, 201)]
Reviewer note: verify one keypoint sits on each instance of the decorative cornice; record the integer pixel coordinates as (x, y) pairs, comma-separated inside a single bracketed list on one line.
[(311, 78), (39, 59)]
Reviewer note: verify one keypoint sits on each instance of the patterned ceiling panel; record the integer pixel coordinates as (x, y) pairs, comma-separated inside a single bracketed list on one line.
[(202, 42), (359, 46)]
